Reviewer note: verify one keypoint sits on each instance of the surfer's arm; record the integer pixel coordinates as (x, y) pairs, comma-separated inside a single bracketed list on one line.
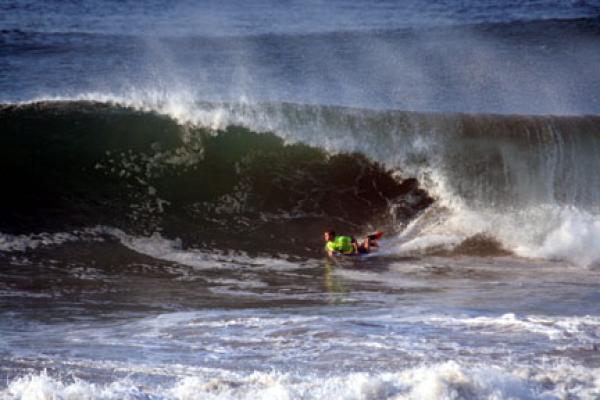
[(329, 247)]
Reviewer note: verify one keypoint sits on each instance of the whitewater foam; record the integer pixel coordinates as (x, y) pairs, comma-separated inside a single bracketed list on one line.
[(441, 381), (21, 243), (171, 250), (574, 237), (160, 248), (583, 328), (558, 233)]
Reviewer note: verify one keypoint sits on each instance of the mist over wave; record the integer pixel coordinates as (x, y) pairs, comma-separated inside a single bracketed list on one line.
[(526, 64)]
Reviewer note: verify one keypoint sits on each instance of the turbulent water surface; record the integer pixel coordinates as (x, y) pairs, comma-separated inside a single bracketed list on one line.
[(168, 171)]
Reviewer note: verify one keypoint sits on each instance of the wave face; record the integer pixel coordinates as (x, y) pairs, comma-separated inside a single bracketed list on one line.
[(80, 164), (522, 184)]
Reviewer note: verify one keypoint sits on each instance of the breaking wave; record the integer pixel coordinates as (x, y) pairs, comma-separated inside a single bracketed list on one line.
[(261, 175)]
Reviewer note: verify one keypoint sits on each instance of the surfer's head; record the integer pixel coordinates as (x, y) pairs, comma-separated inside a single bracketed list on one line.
[(329, 235)]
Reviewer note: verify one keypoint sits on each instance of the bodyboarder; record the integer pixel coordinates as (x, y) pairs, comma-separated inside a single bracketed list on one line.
[(348, 245)]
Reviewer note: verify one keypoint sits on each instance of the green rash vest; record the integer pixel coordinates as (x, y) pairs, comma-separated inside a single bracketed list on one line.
[(341, 244)]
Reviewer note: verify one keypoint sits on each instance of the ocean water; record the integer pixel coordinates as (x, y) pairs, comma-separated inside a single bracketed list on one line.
[(168, 171)]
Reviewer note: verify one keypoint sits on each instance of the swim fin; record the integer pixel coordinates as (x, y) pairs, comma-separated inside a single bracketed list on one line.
[(375, 235)]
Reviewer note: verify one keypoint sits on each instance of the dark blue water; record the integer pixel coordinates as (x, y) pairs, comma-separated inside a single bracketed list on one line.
[(507, 57), (213, 18)]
